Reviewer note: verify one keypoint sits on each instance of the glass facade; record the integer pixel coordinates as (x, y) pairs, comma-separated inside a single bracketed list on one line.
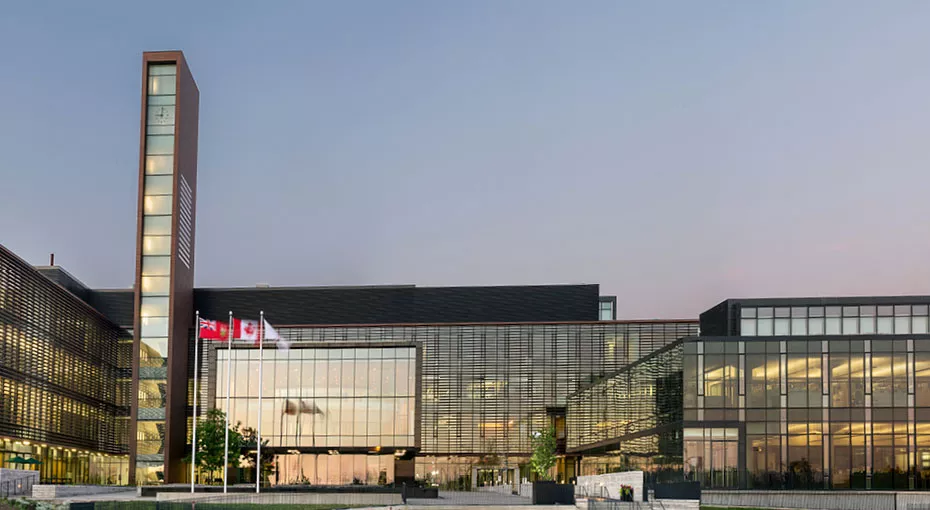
[(631, 420), (855, 319), (59, 398), (333, 415), (156, 270), (334, 469), (818, 412), (482, 388), (325, 397)]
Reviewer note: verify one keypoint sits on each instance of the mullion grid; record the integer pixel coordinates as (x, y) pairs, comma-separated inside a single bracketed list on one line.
[(513, 372)]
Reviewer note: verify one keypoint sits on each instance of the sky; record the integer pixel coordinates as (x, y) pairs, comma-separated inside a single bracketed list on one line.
[(677, 153)]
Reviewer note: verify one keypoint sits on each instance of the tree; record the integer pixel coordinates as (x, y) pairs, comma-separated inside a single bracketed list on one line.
[(211, 441), (250, 442), (544, 449)]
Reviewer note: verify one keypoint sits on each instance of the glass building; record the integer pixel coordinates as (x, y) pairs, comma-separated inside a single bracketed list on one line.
[(446, 385), (60, 403), (810, 393), (775, 394)]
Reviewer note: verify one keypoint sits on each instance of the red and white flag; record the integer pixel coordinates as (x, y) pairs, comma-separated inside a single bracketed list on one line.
[(245, 330)]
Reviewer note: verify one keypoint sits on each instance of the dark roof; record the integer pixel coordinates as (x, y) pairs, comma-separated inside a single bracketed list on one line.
[(58, 275), (829, 301), (399, 304), (63, 283), (377, 304), (403, 305), (117, 305)]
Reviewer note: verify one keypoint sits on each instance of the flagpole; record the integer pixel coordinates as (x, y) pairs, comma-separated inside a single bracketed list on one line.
[(229, 340), (258, 455), (194, 439)]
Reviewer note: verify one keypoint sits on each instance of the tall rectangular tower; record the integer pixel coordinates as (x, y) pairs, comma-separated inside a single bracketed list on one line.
[(164, 268)]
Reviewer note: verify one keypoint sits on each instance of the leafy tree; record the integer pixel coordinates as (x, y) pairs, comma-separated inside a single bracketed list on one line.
[(544, 449), (250, 442), (211, 441)]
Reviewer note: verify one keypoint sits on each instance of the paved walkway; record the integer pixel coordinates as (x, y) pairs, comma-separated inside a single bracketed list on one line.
[(472, 499)]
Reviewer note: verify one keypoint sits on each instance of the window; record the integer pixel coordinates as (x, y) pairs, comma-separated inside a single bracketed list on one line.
[(922, 380), (156, 245), (782, 327), (162, 85), (711, 456), (156, 266), (764, 327), (159, 165), (919, 325), (158, 184), (155, 285), (885, 326), (798, 326), (154, 307), (157, 205), (154, 326), (156, 225), (607, 311), (159, 144)]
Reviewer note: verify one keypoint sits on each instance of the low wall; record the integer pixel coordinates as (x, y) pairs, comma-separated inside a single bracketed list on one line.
[(68, 491), (819, 500), (153, 490), (608, 485), (293, 498), (15, 482)]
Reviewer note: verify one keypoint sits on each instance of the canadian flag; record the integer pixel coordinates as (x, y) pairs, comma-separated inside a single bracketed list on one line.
[(245, 330)]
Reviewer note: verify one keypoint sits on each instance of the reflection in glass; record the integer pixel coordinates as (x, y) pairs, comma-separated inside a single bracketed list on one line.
[(162, 69), (156, 266), (154, 326), (156, 225), (162, 85), (159, 144), (155, 285), (157, 205), (764, 327), (158, 184), (156, 245), (318, 400), (159, 165), (154, 307)]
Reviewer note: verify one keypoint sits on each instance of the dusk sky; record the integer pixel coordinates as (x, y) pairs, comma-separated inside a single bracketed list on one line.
[(677, 153)]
